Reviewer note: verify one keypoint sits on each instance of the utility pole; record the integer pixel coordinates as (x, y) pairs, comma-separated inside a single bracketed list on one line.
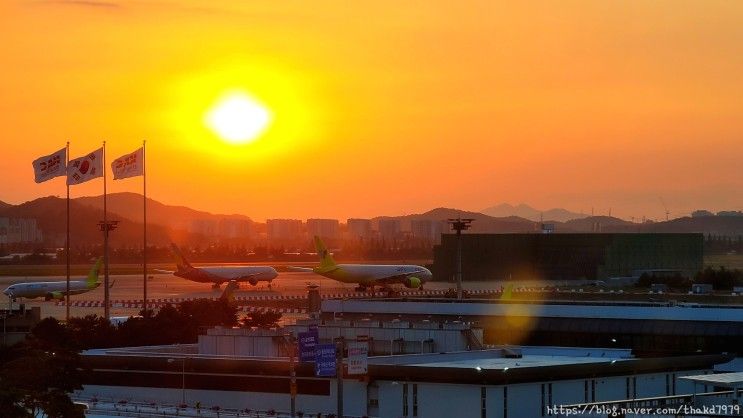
[(340, 346), (292, 375), (459, 225)]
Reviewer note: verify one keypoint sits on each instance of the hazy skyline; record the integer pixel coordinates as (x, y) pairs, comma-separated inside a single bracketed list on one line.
[(573, 104)]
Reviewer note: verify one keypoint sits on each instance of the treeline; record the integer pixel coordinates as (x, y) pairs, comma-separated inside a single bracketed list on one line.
[(720, 279), (171, 324), (36, 377), (721, 244), (222, 253), (37, 374)]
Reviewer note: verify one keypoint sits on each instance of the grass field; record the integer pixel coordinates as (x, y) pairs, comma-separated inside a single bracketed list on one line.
[(729, 261), (75, 269)]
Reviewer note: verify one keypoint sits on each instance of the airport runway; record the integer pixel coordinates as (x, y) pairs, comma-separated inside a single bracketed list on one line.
[(126, 291), (167, 286)]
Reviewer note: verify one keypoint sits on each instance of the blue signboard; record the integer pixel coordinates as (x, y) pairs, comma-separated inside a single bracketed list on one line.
[(307, 343), (325, 360)]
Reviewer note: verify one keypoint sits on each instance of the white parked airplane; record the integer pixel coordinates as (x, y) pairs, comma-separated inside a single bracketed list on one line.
[(368, 276), (220, 274), (55, 290)]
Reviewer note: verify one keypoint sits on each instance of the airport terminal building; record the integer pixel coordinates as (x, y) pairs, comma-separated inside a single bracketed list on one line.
[(589, 256)]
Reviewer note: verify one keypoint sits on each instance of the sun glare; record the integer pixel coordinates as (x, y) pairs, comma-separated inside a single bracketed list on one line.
[(238, 118)]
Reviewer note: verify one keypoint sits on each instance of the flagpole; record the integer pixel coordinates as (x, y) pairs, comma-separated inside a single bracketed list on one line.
[(67, 250), (144, 248), (106, 301)]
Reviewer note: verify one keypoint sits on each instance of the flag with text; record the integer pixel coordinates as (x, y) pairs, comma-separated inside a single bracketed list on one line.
[(129, 165), (50, 166)]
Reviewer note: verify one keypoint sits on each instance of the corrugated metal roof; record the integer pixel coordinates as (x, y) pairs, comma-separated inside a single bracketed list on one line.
[(720, 379)]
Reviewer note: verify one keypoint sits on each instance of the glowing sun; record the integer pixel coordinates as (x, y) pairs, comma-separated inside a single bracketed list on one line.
[(238, 118)]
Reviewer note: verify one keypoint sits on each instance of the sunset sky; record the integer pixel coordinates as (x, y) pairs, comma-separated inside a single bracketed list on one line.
[(385, 107)]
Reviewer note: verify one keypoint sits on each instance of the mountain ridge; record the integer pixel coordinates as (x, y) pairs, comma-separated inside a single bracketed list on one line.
[(168, 222), (527, 212)]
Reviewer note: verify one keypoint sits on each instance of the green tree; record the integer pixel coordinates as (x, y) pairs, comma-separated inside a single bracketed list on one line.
[(34, 382), (265, 320)]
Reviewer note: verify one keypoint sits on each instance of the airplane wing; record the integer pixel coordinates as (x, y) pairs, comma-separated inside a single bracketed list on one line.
[(300, 269), (398, 278), (246, 276)]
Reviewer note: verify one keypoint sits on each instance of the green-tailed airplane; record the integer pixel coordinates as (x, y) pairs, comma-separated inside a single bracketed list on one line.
[(55, 290), (368, 276)]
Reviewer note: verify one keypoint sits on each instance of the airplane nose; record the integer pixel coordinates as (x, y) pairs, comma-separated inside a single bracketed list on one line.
[(6, 292)]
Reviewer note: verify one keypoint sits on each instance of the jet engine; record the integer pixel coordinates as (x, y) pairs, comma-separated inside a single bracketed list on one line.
[(412, 282), (54, 295)]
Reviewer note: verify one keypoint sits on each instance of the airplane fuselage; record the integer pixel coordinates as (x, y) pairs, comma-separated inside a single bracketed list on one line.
[(222, 274), (47, 289), (375, 274)]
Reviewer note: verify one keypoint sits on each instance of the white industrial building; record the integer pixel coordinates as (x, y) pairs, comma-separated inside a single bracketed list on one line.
[(498, 382), (383, 337)]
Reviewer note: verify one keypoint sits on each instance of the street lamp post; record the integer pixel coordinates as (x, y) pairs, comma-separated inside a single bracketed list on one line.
[(106, 227), (183, 378)]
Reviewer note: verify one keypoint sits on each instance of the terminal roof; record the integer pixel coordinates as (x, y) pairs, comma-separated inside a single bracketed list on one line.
[(728, 380)]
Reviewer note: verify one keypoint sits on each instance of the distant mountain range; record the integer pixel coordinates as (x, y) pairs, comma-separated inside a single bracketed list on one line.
[(172, 223), (482, 223), (527, 212), (50, 214), (130, 205)]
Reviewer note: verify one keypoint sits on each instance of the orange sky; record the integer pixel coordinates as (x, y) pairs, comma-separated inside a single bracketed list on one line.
[(577, 104)]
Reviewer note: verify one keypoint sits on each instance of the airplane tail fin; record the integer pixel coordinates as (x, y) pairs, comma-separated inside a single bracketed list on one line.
[(180, 260), (92, 279), (326, 260), (507, 292), (229, 292)]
